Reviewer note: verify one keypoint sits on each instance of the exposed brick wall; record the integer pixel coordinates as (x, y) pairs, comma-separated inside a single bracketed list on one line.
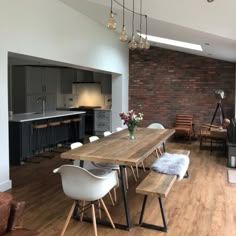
[(163, 83)]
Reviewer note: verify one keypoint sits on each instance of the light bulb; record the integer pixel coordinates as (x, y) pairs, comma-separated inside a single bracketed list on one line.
[(111, 24), (123, 35), (141, 44), (132, 43), (146, 44)]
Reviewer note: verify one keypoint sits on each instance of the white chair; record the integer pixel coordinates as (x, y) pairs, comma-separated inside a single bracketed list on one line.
[(107, 133), (159, 152), (76, 145), (156, 126), (119, 129), (81, 185), (110, 166), (88, 165)]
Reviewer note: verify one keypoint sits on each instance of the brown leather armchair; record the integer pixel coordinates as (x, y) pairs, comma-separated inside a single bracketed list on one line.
[(214, 133), (11, 217)]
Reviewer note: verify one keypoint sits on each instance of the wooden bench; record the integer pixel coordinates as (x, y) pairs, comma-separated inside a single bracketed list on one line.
[(184, 125), (157, 184)]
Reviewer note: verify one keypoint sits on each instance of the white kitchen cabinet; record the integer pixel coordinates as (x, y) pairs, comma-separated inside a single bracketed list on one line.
[(102, 121), (30, 84)]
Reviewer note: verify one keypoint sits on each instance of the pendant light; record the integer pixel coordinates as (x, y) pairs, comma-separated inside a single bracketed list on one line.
[(111, 24), (132, 43), (146, 43), (141, 45), (123, 35)]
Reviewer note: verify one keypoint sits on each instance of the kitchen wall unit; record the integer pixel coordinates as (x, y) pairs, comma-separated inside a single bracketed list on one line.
[(68, 76), (32, 83), (102, 121)]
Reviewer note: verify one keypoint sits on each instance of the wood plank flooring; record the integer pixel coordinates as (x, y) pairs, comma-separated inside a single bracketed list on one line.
[(202, 205)]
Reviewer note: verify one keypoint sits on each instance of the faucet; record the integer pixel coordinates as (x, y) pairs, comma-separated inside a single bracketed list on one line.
[(43, 104), (43, 100)]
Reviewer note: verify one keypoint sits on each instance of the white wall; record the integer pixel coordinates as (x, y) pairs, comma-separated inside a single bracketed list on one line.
[(51, 30)]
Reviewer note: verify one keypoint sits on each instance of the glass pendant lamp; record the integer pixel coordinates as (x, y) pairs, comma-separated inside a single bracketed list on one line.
[(111, 23), (123, 35), (140, 42), (132, 43)]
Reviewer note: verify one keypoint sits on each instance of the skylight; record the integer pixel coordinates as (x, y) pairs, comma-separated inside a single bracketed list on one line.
[(172, 42)]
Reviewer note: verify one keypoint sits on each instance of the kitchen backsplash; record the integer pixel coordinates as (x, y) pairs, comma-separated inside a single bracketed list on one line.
[(85, 94)]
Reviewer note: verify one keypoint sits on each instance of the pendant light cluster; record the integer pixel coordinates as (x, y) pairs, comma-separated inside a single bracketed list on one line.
[(111, 24)]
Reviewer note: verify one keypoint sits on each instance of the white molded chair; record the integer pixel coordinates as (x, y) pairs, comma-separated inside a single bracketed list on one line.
[(119, 129), (81, 185), (88, 165), (93, 138), (76, 145), (107, 133), (111, 166), (159, 152), (156, 126)]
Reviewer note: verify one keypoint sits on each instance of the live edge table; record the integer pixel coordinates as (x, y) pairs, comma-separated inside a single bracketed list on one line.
[(119, 149)]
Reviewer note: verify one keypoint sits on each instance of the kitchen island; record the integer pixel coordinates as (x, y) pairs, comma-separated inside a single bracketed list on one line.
[(25, 139)]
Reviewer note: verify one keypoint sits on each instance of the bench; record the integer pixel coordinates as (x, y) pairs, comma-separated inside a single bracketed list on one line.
[(157, 184)]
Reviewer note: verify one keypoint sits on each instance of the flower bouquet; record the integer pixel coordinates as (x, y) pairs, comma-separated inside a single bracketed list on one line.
[(131, 120)]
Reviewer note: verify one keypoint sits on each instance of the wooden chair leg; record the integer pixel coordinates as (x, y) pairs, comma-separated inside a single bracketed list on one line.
[(115, 196), (99, 210), (111, 198), (144, 169), (107, 213), (82, 211), (132, 169), (137, 172), (68, 219), (94, 220)]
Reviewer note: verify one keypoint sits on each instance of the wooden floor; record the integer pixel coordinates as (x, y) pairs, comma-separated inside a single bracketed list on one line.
[(204, 204)]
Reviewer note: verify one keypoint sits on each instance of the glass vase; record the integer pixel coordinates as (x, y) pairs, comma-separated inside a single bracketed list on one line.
[(131, 133)]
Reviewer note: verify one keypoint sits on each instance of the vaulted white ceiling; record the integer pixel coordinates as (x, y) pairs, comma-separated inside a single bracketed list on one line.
[(192, 21)]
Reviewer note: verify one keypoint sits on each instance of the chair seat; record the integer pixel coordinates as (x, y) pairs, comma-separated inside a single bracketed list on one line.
[(184, 129), (100, 172)]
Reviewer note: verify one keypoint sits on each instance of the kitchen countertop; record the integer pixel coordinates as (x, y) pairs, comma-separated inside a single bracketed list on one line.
[(24, 117), (103, 109)]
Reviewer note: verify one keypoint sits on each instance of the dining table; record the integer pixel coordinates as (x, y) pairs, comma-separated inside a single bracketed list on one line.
[(117, 148)]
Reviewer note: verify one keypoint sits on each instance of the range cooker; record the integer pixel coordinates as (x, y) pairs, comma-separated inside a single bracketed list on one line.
[(89, 117)]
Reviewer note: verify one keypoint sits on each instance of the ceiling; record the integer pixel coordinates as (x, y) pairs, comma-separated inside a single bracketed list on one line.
[(212, 25)]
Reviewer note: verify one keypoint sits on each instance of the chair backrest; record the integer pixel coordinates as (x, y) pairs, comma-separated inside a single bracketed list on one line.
[(118, 129), (107, 133), (76, 145), (93, 138), (80, 184), (156, 126), (184, 121)]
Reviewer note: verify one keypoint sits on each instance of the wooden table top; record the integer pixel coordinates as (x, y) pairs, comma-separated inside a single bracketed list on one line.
[(119, 149)]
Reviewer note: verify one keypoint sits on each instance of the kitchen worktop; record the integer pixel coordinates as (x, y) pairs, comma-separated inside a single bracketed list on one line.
[(24, 117)]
